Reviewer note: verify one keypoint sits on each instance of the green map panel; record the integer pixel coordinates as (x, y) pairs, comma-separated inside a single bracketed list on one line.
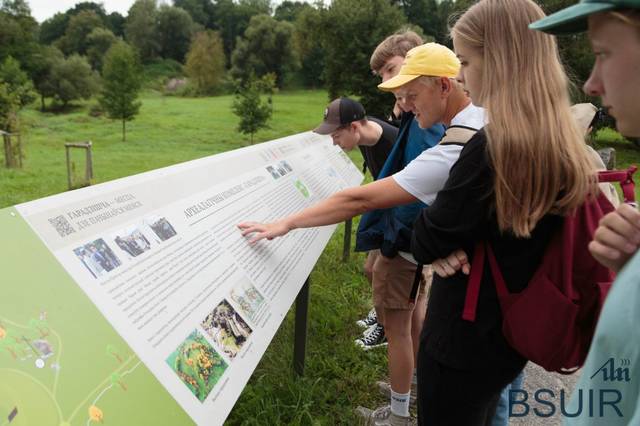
[(61, 362)]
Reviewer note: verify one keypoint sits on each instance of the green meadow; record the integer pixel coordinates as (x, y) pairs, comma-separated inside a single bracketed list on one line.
[(169, 130)]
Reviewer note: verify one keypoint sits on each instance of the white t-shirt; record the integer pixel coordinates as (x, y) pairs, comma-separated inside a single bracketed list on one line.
[(427, 173), (472, 116)]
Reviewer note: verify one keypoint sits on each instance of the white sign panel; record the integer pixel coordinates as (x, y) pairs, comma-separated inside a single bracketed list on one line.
[(161, 257)]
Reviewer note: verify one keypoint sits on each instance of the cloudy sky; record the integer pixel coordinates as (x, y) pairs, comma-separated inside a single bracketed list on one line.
[(44, 9)]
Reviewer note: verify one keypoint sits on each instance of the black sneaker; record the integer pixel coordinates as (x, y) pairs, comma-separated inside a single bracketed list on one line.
[(369, 320), (373, 339)]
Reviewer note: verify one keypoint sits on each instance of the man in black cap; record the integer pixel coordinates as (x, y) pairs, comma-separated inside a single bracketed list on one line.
[(345, 120)]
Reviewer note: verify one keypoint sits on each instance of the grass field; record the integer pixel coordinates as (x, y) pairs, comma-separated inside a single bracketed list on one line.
[(168, 130), (338, 376)]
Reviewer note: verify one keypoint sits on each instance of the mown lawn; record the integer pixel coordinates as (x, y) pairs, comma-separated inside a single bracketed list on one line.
[(170, 130)]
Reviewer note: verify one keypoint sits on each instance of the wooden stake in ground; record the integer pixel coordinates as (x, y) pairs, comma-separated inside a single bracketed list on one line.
[(12, 149), (88, 169)]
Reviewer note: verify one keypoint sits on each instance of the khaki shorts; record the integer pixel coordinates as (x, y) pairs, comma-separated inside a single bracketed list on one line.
[(392, 282), (368, 264)]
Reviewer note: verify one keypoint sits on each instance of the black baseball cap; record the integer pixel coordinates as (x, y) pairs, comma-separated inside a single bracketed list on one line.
[(338, 113)]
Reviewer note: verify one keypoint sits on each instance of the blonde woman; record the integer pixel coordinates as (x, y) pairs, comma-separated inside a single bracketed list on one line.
[(511, 185), (614, 31)]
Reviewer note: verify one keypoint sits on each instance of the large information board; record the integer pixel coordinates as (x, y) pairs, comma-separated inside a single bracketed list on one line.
[(138, 302)]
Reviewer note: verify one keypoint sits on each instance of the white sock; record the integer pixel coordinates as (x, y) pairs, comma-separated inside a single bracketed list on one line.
[(400, 403), (414, 379)]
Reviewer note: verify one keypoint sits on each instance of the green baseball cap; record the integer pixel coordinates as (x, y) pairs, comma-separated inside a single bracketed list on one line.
[(573, 19)]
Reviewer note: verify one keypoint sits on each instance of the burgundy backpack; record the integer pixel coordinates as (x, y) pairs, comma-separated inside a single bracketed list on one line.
[(552, 321)]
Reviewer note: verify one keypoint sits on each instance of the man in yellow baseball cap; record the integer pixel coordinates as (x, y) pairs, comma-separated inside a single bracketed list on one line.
[(427, 86), (430, 59)]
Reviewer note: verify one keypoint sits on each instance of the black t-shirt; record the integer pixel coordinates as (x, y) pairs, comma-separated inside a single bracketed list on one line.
[(462, 214), (375, 155)]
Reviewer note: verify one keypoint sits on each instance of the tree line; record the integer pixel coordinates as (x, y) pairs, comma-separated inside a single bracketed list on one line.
[(219, 45)]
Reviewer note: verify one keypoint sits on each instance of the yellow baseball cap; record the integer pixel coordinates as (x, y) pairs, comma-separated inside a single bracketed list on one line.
[(430, 59)]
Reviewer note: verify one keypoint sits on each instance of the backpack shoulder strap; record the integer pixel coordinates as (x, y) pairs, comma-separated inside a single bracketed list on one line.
[(457, 135)]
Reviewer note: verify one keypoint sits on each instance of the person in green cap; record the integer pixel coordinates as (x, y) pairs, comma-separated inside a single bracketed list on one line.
[(608, 391)]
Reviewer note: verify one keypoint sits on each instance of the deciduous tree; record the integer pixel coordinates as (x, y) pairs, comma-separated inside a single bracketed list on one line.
[(266, 47), (254, 111), (80, 26), (175, 29), (18, 33), (232, 19), (16, 91), (205, 62), (98, 43), (46, 58), (73, 79), (9, 106), (122, 81), (17, 81), (289, 10), (141, 29), (307, 34), (357, 26), (202, 11)]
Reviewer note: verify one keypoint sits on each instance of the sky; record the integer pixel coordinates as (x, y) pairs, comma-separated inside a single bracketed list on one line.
[(45, 9)]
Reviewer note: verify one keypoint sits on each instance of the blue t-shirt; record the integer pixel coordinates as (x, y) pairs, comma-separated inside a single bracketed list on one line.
[(420, 140)]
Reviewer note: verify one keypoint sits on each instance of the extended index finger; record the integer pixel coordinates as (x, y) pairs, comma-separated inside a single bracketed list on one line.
[(250, 228)]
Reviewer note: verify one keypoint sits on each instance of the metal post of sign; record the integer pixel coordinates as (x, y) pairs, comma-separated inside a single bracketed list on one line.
[(346, 249), (300, 337)]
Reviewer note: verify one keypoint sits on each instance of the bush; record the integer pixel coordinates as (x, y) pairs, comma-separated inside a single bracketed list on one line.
[(180, 87), (158, 72), (96, 110), (72, 79)]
